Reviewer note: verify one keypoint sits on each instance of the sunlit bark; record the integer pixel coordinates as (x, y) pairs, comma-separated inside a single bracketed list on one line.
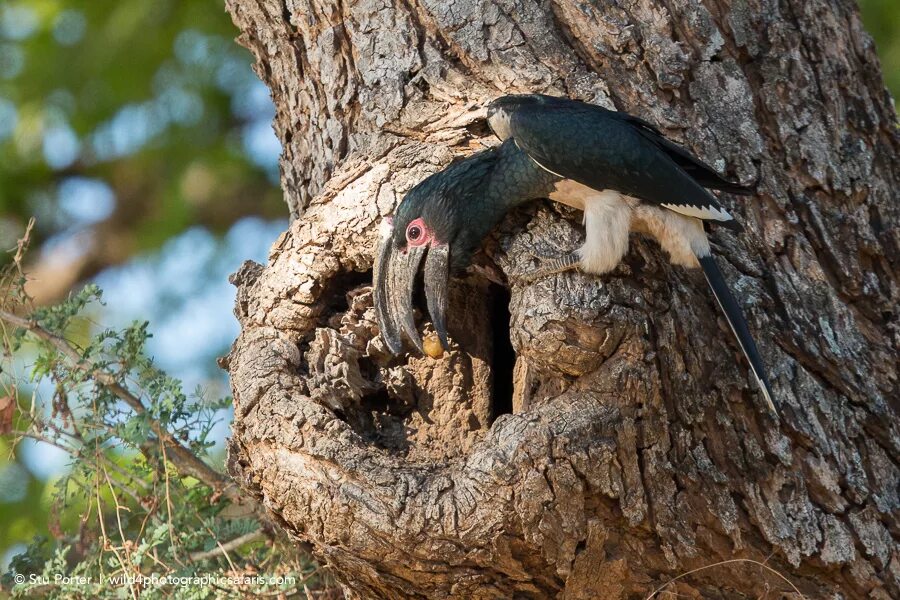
[(638, 448)]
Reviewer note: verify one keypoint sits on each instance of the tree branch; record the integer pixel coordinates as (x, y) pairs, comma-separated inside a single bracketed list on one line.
[(229, 546), (184, 460)]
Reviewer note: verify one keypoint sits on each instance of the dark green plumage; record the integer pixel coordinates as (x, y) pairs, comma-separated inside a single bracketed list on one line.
[(608, 150), (462, 203)]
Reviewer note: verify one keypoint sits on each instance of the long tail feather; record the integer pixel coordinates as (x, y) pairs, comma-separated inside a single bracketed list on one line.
[(738, 324)]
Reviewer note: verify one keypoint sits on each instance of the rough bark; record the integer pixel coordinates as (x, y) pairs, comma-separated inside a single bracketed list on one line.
[(637, 449)]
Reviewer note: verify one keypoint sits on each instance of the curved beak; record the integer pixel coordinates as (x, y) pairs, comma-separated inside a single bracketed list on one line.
[(437, 275), (394, 278)]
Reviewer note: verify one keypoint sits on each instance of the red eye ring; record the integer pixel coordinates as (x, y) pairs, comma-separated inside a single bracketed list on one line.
[(417, 233)]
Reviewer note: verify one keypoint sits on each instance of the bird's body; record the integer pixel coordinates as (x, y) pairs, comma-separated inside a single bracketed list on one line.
[(620, 171), (616, 168)]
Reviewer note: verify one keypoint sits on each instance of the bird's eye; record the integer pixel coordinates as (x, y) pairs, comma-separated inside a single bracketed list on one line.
[(414, 233)]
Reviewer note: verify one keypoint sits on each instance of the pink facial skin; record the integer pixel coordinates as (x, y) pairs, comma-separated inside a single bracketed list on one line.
[(418, 233)]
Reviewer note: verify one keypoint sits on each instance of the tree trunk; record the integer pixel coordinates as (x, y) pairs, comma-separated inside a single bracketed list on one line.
[(617, 442)]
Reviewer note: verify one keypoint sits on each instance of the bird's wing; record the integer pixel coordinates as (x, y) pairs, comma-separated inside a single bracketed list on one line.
[(598, 149), (701, 172)]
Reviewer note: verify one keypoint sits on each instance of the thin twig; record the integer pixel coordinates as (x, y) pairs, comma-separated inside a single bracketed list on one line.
[(170, 527), (125, 545), (76, 453), (229, 546), (106, 539), (22, 245), (725, 562)]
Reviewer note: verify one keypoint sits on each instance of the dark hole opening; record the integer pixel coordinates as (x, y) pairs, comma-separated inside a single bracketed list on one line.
[(503, 360), (376, 401), (380, 421), (340, 286)]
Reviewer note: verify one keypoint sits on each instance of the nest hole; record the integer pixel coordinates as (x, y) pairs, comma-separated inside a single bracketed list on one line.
[(503, 359), (339, 289)]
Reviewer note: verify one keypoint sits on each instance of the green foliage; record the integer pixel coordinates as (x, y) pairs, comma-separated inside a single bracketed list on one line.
[(882, 20), (126, 522)]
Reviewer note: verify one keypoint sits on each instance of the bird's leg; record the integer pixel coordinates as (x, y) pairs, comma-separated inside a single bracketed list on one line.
[(548, 266), (607, 217)]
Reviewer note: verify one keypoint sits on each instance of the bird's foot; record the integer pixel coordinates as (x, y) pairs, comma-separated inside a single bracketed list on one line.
[(551, 266)]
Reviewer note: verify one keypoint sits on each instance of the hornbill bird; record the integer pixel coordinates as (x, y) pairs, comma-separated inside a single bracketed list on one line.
[(618, 169)]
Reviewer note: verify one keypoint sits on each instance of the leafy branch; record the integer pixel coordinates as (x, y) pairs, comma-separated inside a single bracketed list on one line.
[(139, 499), (183, 459)]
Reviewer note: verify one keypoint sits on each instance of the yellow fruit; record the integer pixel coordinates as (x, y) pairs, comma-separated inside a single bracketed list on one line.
[(433, 346)]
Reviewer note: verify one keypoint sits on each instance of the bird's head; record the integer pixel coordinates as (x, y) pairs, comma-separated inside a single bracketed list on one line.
[(435, 221), (500, 110)]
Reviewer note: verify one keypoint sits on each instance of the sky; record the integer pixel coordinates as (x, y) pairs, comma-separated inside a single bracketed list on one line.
[(182, 288)]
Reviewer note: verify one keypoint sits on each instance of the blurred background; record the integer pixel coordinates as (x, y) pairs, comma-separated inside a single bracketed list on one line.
[(137, 134)]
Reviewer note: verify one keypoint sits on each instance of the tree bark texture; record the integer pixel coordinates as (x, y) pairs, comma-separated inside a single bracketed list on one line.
[(616, 441)]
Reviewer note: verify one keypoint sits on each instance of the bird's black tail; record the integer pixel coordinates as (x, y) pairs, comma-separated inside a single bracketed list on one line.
[(738, 324)]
